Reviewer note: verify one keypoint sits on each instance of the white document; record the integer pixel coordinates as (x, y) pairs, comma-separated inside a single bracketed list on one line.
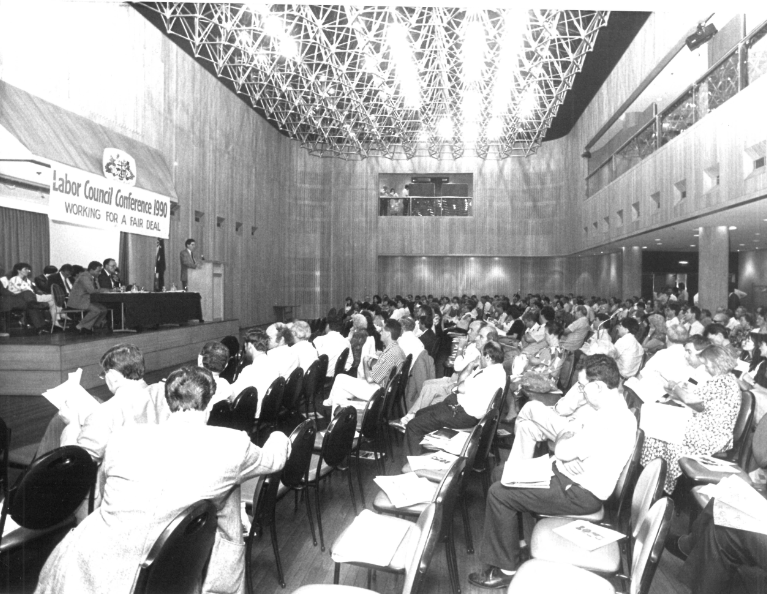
[(649, 389), (407, 489), (433, 461), (454, 445), (587, 535), (715, 464), (372, 538), (534, 473), (665, 422), (738, 505), (72, 398)]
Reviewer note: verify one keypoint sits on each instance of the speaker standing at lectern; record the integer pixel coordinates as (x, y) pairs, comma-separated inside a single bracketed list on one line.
[(187, 261)]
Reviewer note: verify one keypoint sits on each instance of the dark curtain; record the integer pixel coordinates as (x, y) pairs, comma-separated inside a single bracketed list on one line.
[(159, 266), (124, 258), (24, 237)]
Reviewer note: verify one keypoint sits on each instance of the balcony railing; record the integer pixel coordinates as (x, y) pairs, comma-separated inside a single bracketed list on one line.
[(415, 206), (744, 64)]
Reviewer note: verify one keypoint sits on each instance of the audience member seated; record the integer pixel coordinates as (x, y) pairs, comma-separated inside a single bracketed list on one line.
[(80, 298), (590, 453), (427, 336), (575, 334), (408, 341), (468, 401), (715, 403), (281, 356), (20, 284), (670, 363), (41, 280), (25, 301), (757, 370), (348, 390), (304, 349), (261, 372), (656, 336), (332, 344), (629, 351), (358, 336), (62, 279), (152, 474), (214, 356)]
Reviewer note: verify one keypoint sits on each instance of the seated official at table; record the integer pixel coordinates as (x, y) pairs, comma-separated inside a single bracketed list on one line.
[(62, 278), (214, 356), (467, 404), (261, 372), (590, 453), (280, 354), (80, 298), (348, 390), (108, 278), (151, 474)]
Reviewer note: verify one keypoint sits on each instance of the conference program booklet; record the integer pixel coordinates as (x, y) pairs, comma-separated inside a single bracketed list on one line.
[(534, 473), (738, 505), (587, 535), (404, 490)]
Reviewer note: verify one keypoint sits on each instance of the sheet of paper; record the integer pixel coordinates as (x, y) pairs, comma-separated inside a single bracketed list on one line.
[(358, 546), (433, 461), (716, 465), (587, 535), (532, 473), (72, 398), (406, 489), (665, 422), (454, 445), (738, 505), (649, 389)]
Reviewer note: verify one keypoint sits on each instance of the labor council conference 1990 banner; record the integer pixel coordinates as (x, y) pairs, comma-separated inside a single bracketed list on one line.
[(90, 200)]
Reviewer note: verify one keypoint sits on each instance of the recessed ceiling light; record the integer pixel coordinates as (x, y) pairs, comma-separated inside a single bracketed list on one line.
[(732, 227), (644, 247), (696, 235), (683, 262), (692, 245), (742, 244), (658, 239)]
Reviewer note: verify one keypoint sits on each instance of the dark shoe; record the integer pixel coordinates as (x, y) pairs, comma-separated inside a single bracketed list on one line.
[(85, 331), (58, 329), (679, 547), (492, 578), (42, 331)]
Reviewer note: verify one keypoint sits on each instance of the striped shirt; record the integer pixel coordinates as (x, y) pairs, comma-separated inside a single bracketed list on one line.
[(391, 357)]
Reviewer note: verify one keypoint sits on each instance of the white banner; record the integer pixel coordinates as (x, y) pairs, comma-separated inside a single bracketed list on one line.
[(89, 200)]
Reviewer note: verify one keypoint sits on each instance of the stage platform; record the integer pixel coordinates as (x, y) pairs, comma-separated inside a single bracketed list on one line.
[(29, 365)]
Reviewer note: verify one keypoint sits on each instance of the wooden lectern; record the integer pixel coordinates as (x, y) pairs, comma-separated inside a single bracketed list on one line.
[(208, 280)]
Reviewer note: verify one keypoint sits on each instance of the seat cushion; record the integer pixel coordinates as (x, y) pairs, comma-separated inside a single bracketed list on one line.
[(547, 577), (547, 545), (399, 558)]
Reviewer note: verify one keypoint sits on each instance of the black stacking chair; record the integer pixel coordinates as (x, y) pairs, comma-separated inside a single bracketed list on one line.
[(398, 406), (291, 399), (177, 561), (270, 411), (339, 368), (336, 448), (371, 434), (45, 498), (235, 355), (309, 386), (239, 415), (291, 478), (320, 377), (388, 408)]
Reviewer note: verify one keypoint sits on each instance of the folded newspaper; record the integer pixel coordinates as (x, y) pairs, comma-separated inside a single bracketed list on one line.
[(534, 473), (587, 535), (407, 489)]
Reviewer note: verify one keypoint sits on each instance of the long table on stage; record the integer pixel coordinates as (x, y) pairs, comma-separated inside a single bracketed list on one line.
[(146, 310)]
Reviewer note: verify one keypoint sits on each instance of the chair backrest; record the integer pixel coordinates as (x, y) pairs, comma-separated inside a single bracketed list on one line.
[(566, 370), (489, 425), (244, 408), (52, 488), (323, 359), (297, 464), (422, 548), (759, 444), (742, 429), (291, 398), (241, 363), (339, 437), (341, 362), (371, 417), (648, 490), (449, 488), (5, 442), (404, 372), (648, 545), (272, 401), (573, 372), (231, 343), (177, 560), (628, 475), (221, 414), (312, 377), (58, 295), (390, 395)]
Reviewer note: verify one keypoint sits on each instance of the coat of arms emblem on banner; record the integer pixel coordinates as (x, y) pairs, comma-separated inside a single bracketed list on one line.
[(119, 166)]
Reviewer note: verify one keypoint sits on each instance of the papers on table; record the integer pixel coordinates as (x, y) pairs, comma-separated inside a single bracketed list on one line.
[(372, 538), (448, 440), (665, 422), (715, 464), (738, 505), (434, 461), (407, 489), (587, 535), (534, 473), (72, 399), (649, 389)]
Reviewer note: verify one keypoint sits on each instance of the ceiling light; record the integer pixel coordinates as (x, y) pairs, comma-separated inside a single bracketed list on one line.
[(445, 128), (644, 247), (473, 51), (494, 129), (683, 262), (732, 227), (692, 245)]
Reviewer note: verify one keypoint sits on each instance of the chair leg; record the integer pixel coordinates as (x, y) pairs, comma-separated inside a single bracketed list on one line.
[(319, 514), (359, 476), (309, 515), (351, 484), (370, 577), (336, 573), (451, 547), (248, 552), (466, 525), (276, 548)]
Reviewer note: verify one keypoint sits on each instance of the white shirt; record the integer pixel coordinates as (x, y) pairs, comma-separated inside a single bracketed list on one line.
[(17, 284), (398, 314), (577, 336), (470, 354), (670, 363), (223, 392), (284, 359), (410, 344), (333, 344), (537, 332), (697, 328), (605, 441), (306, 353), (480, 387), (260, 374), (629, 357)]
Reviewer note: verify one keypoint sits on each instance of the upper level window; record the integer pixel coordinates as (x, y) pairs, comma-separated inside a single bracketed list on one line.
[(425, 195)]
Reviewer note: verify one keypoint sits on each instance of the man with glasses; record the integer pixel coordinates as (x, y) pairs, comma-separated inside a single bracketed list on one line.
[(589, 454)]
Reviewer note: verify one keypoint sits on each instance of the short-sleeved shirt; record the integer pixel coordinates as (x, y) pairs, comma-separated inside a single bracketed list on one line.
[(392, 356), (577, 336)]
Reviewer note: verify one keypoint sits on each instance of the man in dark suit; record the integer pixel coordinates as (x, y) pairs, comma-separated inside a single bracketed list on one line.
[(41, 280), (62, 279), (108, 278), (428, 338), (187, 261), (80, 298)]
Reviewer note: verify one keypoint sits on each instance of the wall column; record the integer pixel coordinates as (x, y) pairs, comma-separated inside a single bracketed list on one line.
[(632, 271), (713, 266)]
